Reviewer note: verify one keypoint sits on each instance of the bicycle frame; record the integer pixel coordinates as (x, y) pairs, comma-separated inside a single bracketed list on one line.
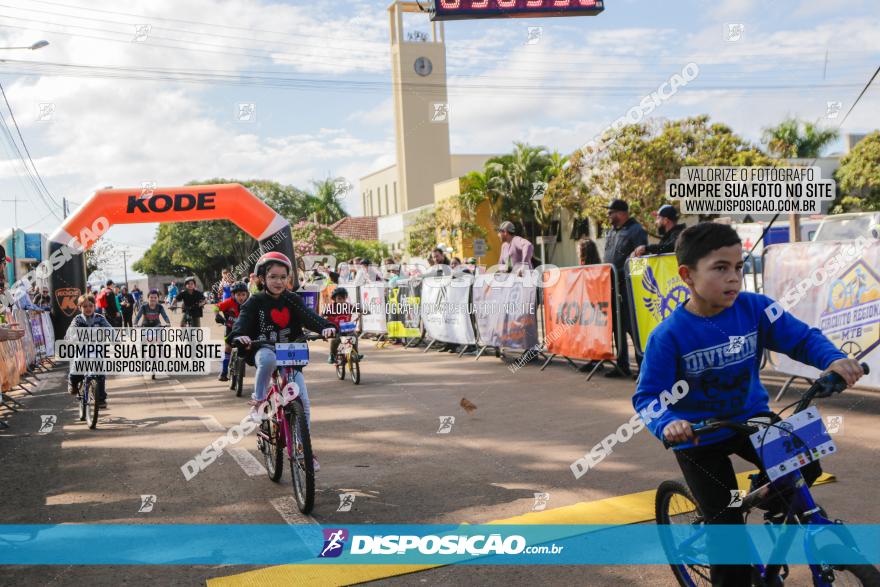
[(282, 377), (802, 511)]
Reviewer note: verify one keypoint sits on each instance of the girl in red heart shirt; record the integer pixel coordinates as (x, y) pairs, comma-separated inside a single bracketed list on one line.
[(274, 315)]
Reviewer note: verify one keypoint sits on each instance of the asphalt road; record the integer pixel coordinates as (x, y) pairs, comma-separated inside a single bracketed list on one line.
[(377, 441)]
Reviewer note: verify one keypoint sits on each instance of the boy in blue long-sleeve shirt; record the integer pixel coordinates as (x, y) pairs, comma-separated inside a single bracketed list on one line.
[(714, 342)]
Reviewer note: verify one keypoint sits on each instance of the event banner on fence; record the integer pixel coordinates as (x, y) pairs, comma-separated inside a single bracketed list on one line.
[(446, 309), (834, 286), (654, 291), (372, 301), (578, 319), (403, 309), (505, 311)]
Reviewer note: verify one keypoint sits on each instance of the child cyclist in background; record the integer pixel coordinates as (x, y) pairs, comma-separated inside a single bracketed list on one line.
[(275, 315), (337, 312), (715, 342), (226, 313), (87, 318), (152, 312)]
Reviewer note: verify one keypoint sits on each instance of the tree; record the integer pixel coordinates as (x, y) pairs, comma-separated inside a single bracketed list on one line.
[(289, 201), (858, 177), (102, 254), (795, 138), (510, 183), (634, 161), (422, 235), (325, 203)]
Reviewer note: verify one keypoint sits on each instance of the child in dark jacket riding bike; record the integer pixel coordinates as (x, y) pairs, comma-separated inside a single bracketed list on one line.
[(87, 318), (275, 315), (714, 342), (227, 312)]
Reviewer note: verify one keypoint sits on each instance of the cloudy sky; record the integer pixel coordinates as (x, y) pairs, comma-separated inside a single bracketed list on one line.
[(137, 91)]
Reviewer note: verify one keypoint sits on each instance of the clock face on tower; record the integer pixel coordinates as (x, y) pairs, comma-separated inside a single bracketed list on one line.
[(423, 66)]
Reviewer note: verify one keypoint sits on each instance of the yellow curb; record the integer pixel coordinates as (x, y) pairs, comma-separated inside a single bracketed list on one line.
[(634, 508)]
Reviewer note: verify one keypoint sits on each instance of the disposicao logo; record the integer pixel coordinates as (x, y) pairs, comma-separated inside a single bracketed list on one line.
[(334, 542)]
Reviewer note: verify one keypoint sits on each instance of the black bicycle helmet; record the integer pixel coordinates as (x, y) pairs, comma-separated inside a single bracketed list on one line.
[(339, 291), (239, 286)]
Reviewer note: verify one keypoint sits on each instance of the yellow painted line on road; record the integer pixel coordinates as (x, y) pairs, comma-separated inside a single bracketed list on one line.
[(634, 508)]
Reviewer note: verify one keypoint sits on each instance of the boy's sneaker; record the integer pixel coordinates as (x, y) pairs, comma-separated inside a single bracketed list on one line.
[(71, 389), (361, 357), (316, 464), (331, 360), (223, 377)]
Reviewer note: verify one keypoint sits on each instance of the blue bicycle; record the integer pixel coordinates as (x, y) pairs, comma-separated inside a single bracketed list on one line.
[(674, 503)]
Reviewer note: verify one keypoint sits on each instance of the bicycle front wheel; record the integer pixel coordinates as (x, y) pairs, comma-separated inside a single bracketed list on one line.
[(861, 574), (340, 367), (83, 403), (233, 369), (674, 504), (355, 367), (239, 377), (302, 464), (92, 411)]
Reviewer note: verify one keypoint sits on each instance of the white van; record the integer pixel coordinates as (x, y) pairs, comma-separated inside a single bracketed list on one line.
[(843, 227)]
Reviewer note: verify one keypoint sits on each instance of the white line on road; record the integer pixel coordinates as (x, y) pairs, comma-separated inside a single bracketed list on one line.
[(212, 424), (192, 403), (286, 506), (248, 462)]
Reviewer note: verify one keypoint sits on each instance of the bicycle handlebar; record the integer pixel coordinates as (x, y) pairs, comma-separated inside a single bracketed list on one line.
[(258, 344), (825, 386)]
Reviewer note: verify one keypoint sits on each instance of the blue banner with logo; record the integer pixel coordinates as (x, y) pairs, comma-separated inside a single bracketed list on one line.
[(259, 544)]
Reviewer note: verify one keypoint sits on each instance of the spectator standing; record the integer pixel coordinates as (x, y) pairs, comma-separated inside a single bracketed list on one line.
[(588, 252), (138, 296), (111, 304), (172, 293), (127, 304), (624, 237), (516, 251), (668, 229)]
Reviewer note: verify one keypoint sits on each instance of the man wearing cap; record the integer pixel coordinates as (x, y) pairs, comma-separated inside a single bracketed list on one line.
[(666, 216), (626, 236), (516, 251)]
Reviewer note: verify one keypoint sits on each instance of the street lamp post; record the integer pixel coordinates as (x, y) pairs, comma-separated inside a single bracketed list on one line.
[(34, 47)]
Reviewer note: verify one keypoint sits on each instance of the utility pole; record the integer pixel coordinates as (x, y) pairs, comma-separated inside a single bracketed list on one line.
[(125, 265), (64, 209)]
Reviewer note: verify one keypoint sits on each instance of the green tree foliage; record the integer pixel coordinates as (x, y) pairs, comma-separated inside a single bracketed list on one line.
[(858, 177), (796, 138), (422, 235), (634, 161), (317, 239)]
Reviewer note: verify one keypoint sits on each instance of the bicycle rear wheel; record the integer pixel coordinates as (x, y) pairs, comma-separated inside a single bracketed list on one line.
[(674, 504), (273, 451), (354, 366), (302, 464), (92, 411)]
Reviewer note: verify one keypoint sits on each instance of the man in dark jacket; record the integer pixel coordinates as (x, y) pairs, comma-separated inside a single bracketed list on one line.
[(625, 236), (666, 216)]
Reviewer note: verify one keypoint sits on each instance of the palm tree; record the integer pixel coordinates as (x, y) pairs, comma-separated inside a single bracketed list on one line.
[(326, 201), (795, 138), (511, 181)]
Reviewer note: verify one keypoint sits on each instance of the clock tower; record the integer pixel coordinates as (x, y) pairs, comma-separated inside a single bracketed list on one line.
[(421, 108)]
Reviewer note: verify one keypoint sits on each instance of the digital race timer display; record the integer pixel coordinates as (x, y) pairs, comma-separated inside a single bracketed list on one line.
[(464, 9)]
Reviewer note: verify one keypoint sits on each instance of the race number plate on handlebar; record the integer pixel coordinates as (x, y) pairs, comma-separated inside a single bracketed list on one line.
[(291, 354), (347, 327), (793, 443)]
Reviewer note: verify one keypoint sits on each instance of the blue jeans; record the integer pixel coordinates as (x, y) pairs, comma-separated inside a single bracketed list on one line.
[(264, 360)]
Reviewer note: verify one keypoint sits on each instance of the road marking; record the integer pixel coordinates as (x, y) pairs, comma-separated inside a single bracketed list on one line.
[(286, 506), (212, 424), (625, 509), (192, 403), (248, 462)]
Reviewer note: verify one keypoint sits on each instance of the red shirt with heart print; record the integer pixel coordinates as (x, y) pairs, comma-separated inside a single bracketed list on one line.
[(281, 319)]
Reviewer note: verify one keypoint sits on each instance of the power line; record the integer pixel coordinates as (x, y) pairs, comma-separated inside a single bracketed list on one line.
[(26, 150), (7, 132)]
